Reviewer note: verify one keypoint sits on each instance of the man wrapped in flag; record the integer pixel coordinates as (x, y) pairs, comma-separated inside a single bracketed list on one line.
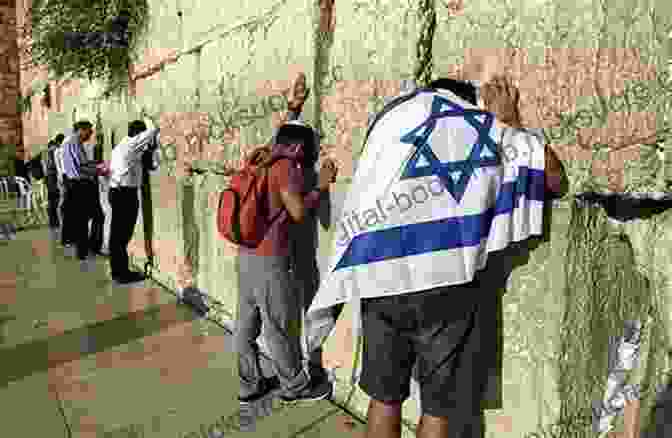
[(439, 186)]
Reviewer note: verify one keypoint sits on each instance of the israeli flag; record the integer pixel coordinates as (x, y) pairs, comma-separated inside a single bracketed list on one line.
[(439, 186)]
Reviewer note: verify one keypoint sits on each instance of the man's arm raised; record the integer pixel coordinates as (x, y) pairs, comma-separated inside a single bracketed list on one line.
[(294, 201)]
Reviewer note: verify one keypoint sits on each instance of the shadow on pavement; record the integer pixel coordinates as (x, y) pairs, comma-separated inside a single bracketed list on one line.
[(660, 425), (27, 359)]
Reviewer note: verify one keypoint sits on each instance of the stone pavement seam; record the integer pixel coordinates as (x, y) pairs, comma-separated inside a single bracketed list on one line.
[(62, 412)]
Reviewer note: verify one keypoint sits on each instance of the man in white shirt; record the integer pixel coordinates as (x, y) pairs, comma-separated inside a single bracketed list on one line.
[(126, 167), (53, 182), (58, 157)]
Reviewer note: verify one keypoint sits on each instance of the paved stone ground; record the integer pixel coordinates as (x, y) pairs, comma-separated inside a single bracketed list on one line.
[(80, 357)]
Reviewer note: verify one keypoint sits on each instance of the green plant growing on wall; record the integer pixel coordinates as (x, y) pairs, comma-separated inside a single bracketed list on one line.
[(323, 40), (25, 103), (6, 160), (666, 144), (54, 25), (604, 290), (658, 373), (424, 66)]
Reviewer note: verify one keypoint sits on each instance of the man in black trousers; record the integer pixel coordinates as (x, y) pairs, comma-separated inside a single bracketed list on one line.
[(135, 154), (82, 177), (67, 238), (97, 213), (52, 183)]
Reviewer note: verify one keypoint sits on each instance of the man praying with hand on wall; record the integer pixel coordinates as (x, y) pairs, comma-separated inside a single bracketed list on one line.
[(418, 275), (126, 167), (81, 174)]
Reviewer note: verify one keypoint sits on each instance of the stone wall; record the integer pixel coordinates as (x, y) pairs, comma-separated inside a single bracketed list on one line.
[(11, 143), (40, 123), (373, 48)]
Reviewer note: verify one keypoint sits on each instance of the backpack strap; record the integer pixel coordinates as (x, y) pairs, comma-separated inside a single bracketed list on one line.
[(261, 159), (268, 169)]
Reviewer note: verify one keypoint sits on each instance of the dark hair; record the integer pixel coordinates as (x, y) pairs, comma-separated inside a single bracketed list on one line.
[(304, 135), (463, 89), (82, 124), (136, 127), (59, 139)]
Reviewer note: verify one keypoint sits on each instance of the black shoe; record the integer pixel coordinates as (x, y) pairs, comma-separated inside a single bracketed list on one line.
[(268, 385), (131, 277), (314, 392), (317, 373)]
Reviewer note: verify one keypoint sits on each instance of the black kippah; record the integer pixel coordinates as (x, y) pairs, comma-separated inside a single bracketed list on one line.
[(463, 89), (299, 134)]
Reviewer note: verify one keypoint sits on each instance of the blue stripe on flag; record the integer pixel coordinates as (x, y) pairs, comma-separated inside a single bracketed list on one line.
[(442, 234)]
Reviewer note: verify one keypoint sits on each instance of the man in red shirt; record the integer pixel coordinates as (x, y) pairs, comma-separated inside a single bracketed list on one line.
[(267, 295)]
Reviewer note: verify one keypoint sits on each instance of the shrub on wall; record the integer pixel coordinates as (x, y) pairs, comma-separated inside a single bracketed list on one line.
[(89, 39)]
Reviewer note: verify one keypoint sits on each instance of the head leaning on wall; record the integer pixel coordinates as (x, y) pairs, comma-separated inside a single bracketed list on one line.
[(84, 129)]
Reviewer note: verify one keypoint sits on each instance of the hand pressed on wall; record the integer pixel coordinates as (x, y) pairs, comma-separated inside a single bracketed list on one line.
[(297, 94), (501, 98), (328, 173)]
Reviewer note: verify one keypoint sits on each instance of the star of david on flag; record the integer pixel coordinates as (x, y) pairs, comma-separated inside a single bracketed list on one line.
[(454, 175), (417, 250)]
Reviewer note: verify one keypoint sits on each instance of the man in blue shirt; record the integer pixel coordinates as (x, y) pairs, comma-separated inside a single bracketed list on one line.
[(81, 174)]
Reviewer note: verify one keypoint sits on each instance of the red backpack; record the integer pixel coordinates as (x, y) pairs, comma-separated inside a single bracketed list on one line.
[(243, 213)]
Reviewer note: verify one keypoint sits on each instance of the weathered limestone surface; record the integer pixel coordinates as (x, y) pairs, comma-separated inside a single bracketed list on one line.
[(10, 120), (372, 51)]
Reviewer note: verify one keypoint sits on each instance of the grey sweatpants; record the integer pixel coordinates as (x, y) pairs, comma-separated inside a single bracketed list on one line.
[(267, 297)]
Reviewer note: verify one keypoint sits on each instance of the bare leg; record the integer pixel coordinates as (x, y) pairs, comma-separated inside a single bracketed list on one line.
[(432, 427), (384, 420), (631, 416)]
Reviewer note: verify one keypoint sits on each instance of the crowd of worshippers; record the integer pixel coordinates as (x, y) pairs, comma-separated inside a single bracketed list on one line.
[(76, 179), (432, 326)]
